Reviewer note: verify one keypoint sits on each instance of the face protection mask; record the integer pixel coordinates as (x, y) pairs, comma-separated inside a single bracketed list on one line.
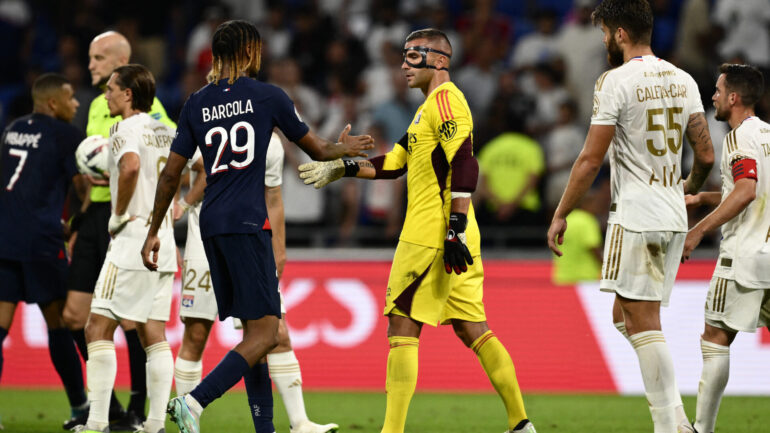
[(411, 54)]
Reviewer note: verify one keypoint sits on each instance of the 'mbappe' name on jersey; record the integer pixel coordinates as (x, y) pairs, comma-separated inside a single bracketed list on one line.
[(14, 138), (660, 92), (230, 109)]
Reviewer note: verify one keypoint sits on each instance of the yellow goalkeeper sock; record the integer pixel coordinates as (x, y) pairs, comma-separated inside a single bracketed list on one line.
[(499, 367), (400, 382)]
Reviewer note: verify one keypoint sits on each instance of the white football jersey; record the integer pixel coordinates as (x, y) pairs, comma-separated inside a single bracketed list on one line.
[(649, 101), (193, 249), (746, 238), (151, 141)]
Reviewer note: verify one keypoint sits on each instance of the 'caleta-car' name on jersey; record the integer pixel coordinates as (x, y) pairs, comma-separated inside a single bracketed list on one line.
[(229, 109), (660, 92)]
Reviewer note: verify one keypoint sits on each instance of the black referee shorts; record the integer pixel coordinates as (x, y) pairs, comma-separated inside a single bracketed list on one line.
[(90, 248)]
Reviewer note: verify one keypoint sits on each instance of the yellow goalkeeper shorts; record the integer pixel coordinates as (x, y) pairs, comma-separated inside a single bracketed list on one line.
[(420, 288)]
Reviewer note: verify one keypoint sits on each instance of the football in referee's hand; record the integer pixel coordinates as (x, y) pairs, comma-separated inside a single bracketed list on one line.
[(91, 156)]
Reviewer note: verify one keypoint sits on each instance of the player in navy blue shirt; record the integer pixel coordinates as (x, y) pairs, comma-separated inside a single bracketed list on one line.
[(230, 120), (37, 163)]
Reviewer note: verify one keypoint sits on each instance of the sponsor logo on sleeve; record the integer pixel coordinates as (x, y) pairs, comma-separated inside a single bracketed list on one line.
[(447, 130)]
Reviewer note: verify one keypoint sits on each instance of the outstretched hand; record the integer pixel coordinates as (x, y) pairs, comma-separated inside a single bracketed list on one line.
[(354, 145), (556, 235), (321, 173)]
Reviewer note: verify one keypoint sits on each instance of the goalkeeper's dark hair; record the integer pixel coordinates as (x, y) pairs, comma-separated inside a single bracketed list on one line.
[(745, 80), (432, 35), (141, 82), (634, 16), (238, 45), (46, 84)]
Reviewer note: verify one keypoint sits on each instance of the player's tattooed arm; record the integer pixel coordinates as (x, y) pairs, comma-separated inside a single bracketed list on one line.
[(699, 138), (367, 170)]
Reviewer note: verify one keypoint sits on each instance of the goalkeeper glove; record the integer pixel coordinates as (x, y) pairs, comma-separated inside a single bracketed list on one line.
[(322, 173), (117, 223), (456, 253)]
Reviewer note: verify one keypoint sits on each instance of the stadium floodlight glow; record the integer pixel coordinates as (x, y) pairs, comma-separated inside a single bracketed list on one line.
[(423, 52)]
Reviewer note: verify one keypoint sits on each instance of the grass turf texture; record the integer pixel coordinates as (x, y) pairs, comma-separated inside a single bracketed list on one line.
[(27, 411)]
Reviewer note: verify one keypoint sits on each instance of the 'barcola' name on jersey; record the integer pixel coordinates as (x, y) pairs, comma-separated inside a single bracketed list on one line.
[(229, 109)]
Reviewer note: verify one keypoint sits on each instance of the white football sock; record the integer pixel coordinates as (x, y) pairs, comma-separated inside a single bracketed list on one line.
[(713, 380), (284, 370), (187, 375), (658, 376), (681, 416), (160, 373), (621, 327), (101, 368), (194, 406)]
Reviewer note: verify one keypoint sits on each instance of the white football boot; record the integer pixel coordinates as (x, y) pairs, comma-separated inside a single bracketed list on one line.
[(525, 426), (311, 427)]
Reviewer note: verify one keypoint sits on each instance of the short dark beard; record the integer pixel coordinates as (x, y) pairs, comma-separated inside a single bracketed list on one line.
[(614, 54), (722, 116)]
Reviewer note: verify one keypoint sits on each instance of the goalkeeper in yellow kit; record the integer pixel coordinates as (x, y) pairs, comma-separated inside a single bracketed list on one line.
[(437, 276)]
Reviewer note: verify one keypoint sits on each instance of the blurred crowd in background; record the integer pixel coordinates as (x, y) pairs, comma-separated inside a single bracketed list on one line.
[(527, 68)]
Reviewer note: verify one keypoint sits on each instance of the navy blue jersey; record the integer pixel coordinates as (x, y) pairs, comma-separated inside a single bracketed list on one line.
[(232, 125), (37, 162)]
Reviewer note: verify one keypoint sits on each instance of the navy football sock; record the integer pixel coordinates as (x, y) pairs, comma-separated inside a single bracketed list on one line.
[(80, 340), (66, 361), (260, 395), (137, 362), (3, 334), (223, 377)]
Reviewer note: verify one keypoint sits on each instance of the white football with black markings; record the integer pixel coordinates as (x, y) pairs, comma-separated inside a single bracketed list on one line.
[(91, 156)]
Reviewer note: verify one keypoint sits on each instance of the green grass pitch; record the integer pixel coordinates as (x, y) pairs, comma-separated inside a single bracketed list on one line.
[(27, 411)]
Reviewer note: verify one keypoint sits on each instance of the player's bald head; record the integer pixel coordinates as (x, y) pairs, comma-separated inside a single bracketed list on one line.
[(113, 43), (108, 51), (433, 38)]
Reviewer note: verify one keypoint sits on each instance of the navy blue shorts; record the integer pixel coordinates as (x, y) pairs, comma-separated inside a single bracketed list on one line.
[(244, 275), (34, 281)]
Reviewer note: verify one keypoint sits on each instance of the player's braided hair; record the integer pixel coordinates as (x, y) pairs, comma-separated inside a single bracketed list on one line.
[(238, 45)]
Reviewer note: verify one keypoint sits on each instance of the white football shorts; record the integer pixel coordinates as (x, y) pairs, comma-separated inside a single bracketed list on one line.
[(733, 307), (641, 265), (136, 295)]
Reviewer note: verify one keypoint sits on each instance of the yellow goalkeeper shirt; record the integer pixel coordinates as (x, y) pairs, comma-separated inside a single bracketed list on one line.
[(100, 122), (442, 124)]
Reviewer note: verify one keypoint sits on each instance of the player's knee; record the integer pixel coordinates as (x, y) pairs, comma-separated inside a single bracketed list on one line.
[(284, 342), (463, 335), (196, 338), (72, 319), (272, 340), (93, 332)]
